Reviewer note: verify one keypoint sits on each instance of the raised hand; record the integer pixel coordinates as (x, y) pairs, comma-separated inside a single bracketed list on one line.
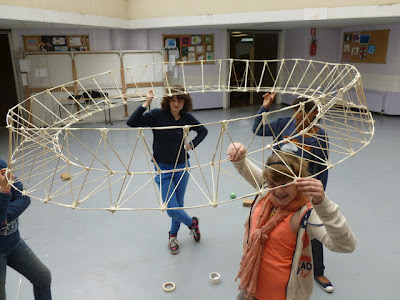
[(236, 151), (268, 99), (311, 187), (149, 98)]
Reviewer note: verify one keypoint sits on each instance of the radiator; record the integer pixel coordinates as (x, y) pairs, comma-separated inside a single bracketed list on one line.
[(392, 103), (375, 100)]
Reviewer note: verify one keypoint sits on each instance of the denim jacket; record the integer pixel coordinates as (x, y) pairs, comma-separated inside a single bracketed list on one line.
[(11, 207)]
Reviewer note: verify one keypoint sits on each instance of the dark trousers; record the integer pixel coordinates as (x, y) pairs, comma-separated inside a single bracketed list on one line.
[(22, 259), (318, 257)]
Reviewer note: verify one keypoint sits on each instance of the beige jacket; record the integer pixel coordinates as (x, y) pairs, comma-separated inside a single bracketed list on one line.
[(323, 222)]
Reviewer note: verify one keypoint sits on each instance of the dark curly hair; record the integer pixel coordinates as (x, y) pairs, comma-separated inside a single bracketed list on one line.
[(309, 106), (179, 92)]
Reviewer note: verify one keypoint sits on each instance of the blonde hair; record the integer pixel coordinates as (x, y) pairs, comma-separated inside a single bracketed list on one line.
[(282, 166)]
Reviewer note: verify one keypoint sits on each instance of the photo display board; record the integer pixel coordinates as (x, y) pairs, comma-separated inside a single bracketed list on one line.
[(190, 48), (365, 46), (56, 43)]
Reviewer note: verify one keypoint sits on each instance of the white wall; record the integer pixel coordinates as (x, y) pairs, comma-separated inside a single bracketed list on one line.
[(297, 44), (155, 42), (138, 40), (179, 8), (115, 39), (136, 10), (111, 9), (381, 81), (298, 41), (376, 77)]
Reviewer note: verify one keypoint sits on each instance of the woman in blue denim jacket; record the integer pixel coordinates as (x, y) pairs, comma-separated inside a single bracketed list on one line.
[(14, 252)]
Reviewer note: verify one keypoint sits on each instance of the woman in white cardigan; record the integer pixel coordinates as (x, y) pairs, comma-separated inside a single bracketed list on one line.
[(291, 210)]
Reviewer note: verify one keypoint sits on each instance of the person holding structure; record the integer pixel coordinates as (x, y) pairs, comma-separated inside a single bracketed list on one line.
[(276, 261), (170, 154), (313, 146), (14, 252)]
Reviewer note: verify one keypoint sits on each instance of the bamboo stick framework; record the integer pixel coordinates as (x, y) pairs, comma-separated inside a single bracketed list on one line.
[(47, 139)]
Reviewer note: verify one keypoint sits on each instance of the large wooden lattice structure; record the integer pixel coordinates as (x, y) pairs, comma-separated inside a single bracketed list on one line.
[(112, 168)]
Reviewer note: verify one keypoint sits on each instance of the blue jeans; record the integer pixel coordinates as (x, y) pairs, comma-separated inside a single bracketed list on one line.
[(168, 183), (22, 259)]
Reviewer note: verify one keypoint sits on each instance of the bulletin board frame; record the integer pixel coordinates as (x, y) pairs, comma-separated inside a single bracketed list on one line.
[(56, 43), (190, 48), (365, 46)]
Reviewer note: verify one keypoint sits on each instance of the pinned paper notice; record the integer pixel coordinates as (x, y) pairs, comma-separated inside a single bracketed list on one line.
[(171, 65), (41, 73), (171, 59), (24, 79), (25, 65)]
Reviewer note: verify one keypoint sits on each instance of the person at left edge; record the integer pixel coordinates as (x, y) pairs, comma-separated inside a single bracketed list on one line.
[(14, 252)]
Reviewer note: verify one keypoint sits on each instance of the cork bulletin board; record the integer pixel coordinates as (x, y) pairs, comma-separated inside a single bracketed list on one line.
[(56, 43), (365, 46), (191, 48)]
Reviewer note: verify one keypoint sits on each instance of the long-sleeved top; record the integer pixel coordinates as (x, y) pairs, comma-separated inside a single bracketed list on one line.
[(313, 148), (323, 222), (11, 207), (167, 143)]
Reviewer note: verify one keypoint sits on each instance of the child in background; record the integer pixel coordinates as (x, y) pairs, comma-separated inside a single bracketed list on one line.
[(316, 143)]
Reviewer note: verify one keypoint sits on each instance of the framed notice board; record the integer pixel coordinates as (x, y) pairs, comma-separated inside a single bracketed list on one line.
[(56, 43), (190, 47), (365, 46)]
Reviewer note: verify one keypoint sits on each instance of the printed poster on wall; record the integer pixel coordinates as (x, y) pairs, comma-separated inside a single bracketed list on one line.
[(195, 48)]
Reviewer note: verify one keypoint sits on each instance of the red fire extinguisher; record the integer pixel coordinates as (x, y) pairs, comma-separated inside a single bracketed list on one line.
[(313, 47)]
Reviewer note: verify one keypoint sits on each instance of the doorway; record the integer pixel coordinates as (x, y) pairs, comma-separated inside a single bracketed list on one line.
[(8, 92), (253, 45)]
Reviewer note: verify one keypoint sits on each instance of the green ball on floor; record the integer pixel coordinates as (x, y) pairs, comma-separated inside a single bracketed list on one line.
[(233, 195)]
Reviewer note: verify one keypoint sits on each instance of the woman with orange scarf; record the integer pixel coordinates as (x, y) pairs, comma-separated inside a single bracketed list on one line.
[(277, 257)]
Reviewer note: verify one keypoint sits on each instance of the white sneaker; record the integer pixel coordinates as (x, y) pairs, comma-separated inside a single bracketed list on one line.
[(327, 287), (173, 244)]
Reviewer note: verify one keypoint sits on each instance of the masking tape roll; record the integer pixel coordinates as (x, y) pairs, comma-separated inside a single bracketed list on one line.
[(168, 287), (215, 278)]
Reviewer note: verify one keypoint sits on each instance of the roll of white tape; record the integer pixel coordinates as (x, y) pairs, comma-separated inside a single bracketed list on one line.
[(168, 287), (215, 278)]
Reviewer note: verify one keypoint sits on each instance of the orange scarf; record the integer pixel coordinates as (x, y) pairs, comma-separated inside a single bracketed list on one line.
[(250, 264)]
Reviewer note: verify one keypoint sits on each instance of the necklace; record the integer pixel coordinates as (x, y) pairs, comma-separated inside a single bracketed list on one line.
[(273, 211)]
